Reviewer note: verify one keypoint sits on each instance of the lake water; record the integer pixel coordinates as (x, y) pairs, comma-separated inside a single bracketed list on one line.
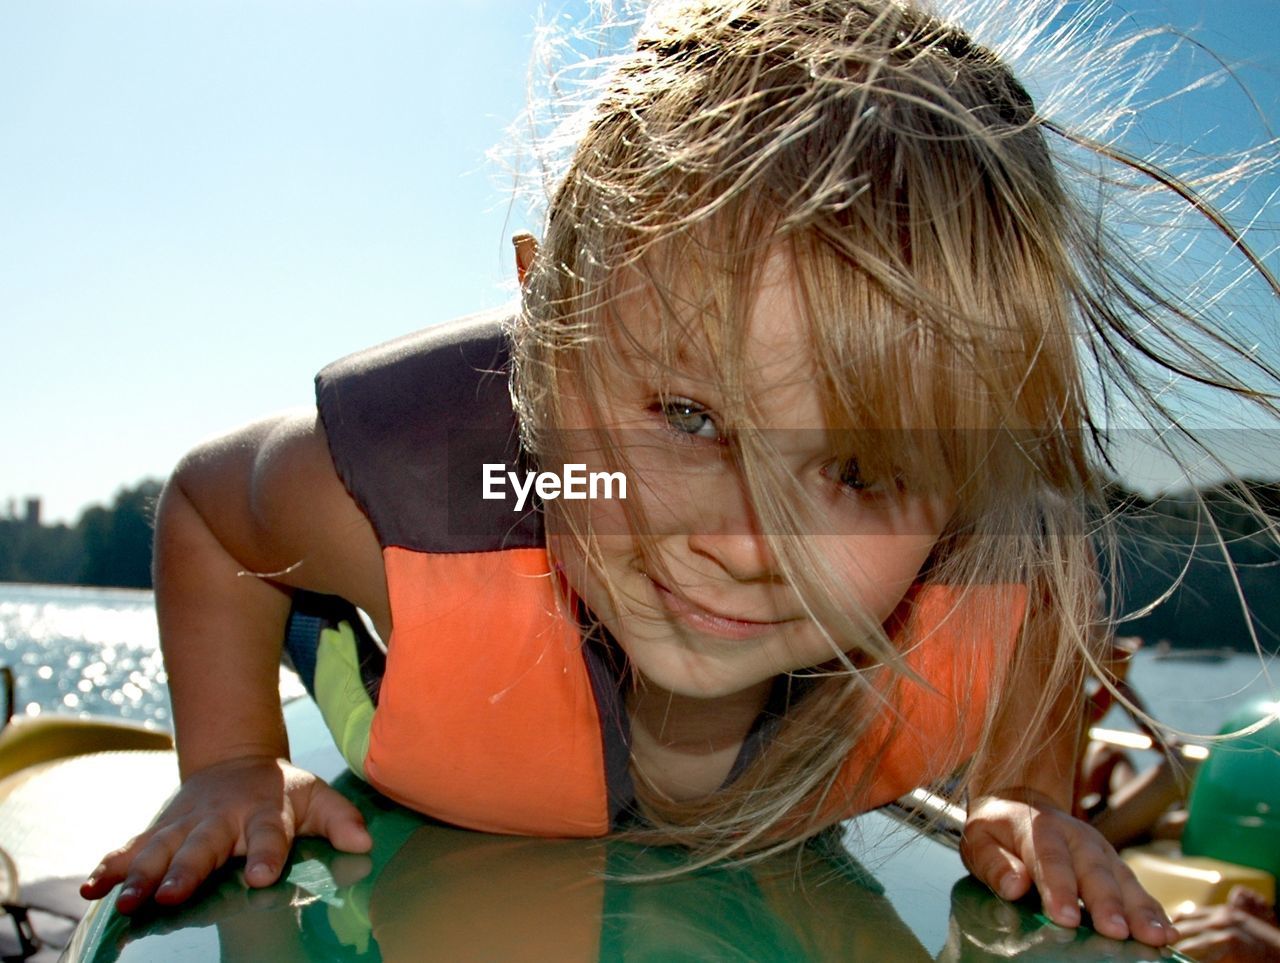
[(87, 651), (95, 651)]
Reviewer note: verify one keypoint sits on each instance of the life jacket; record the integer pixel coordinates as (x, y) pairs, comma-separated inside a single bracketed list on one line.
[(494, 712)]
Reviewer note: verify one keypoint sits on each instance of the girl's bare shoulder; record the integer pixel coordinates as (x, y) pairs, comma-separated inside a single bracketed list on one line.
[(270, 493)]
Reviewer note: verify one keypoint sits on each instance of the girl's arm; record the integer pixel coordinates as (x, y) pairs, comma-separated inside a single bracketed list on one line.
[(243, 520), (1020, 830)]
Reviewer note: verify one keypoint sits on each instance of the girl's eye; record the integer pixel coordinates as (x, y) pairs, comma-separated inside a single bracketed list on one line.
[(689, 418), (849, 476)]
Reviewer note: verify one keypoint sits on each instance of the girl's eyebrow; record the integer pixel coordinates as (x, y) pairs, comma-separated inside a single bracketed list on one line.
[(687, 360), (684, 362)]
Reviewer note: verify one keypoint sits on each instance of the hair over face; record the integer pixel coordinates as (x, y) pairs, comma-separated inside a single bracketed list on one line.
[(902, 173)]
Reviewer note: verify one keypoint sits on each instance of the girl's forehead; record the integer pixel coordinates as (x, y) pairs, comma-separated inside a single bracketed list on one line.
[(695, 326)]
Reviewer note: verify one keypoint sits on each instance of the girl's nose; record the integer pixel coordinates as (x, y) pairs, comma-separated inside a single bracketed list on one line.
[(743, 556)]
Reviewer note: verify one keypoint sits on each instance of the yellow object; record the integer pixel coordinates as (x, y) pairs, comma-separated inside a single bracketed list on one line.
[(25, 742), (341, 696), (55, 805), (1183, 883)]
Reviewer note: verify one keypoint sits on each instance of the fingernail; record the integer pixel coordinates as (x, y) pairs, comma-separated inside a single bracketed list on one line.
[(167, 885), (259, 870), (1007, 887), (131, 892)]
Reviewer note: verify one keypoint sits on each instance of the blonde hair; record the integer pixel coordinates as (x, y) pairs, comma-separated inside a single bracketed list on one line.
[(948, 283)]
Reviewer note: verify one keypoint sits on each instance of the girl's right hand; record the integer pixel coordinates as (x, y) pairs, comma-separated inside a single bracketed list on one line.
[(251, 807)]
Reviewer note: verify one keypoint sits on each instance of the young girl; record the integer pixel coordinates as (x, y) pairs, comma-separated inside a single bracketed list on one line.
[(812, 290)]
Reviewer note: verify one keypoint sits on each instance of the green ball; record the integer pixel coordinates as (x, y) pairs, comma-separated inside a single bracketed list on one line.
[(1234, 810)]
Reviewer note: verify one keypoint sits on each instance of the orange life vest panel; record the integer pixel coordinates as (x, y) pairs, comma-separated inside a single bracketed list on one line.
[(494, 712)]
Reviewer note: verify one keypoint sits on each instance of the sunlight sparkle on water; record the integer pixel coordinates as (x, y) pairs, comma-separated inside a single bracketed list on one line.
[(83, 651), (80, 651)]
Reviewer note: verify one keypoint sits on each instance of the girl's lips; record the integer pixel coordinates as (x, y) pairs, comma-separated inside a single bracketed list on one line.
[(708, 622)]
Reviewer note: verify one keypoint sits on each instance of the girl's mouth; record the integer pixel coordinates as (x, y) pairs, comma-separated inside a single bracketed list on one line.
[(708, 622)]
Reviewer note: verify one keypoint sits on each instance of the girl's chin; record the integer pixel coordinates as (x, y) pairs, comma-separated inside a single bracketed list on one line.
[(691, 675)]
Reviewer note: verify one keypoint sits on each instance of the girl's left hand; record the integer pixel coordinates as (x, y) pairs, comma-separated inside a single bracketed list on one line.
[(1017, 837)]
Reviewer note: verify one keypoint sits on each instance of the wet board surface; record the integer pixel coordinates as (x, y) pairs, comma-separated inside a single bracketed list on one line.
[(428, 892)]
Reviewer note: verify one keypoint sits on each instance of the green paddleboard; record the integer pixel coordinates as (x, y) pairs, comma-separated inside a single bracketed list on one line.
[(880, 890)]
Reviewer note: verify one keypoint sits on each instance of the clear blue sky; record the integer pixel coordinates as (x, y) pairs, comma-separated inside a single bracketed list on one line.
[(202, 202)]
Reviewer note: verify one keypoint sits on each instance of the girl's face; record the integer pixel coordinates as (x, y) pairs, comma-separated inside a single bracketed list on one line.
[(712, 614)]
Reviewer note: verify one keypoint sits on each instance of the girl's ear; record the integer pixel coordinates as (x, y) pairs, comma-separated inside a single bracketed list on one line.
[(526, 248)]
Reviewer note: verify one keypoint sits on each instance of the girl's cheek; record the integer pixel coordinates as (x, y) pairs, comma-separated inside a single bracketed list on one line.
[(930, 516), (665, 499), (879, 569)]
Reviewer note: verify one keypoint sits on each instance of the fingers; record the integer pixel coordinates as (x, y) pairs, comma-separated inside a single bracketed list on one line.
[(332, 815), (995, 865), (148, 867), (112, 869), (266, 849), (175, 862), (99, 883), (1054, 868), (241, 809), (1208, 948), (169, 862), (1247, 940), (1206, 919), (1006, 845), (1114, 893), (1075, 863), (205, 848), (168, 865), (1069, 862), (1252, 902)]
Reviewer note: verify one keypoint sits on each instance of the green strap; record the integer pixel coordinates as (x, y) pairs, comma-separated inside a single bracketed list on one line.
[(341, 696)]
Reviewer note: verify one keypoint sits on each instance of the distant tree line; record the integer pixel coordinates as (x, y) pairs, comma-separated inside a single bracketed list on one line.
[(1176, 545), (106, 546), (1212, 556)]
